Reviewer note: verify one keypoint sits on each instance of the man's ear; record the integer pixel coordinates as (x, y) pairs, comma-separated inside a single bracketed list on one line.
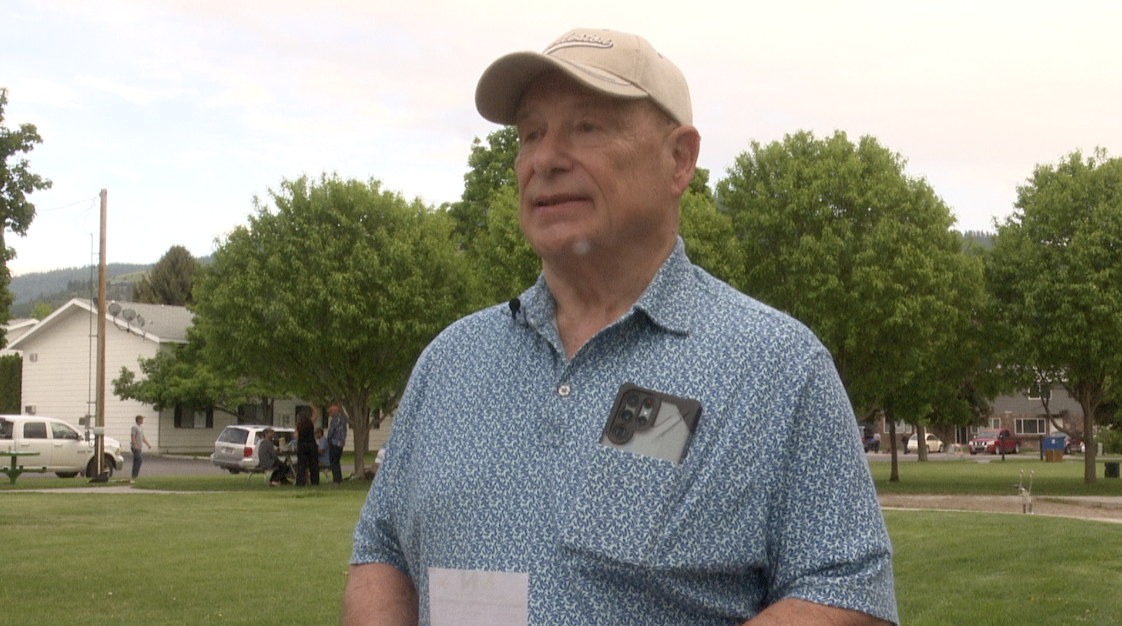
[(685, 144)]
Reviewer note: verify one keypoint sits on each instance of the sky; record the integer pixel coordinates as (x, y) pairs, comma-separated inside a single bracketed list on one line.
[(185, 111)]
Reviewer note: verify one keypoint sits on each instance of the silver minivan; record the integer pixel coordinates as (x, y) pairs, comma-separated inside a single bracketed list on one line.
[(236, 447)]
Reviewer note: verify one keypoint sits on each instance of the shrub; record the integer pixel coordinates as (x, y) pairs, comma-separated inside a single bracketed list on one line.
[(1111, 438)]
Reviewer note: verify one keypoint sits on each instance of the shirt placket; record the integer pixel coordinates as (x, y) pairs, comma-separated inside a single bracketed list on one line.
[(557, 422)]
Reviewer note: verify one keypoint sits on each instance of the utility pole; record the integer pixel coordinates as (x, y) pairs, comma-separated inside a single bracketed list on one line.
[(99, 432)]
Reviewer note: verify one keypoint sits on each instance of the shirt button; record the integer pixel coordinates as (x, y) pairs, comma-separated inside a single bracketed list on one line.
[(564, 391)]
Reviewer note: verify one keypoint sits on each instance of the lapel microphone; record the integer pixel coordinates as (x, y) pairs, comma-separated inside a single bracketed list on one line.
[(515, 305)]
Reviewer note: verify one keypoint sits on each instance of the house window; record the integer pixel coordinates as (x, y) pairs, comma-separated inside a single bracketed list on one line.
[(251, 414), (1031, 426), (995, 423), (187, 417)]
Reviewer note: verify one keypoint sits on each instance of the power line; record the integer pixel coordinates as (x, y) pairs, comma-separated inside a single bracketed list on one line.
[(67, 206)]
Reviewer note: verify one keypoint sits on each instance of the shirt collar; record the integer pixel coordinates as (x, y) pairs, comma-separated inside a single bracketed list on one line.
[(668, 300)]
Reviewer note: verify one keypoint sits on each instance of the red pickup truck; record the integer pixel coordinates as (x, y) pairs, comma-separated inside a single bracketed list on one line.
[(993, 441)]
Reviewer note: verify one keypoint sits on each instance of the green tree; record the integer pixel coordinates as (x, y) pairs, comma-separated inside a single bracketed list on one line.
[(170, 279), (41, 311), (181, 375), (490, 169), (1056, 271), (11, 384), (837, 235), (487, 224), (503, 261), (332, 294), (709, 235), (16, 182), (699, 185)]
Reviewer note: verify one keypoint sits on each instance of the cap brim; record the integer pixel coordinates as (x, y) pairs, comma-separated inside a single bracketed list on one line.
[(500, 88)]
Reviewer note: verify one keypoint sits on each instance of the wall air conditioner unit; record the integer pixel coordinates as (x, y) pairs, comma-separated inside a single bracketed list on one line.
[(29, 409)]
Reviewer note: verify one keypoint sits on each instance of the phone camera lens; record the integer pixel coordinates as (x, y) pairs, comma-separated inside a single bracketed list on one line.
[(620, 434), (627, 415), (632, 400)]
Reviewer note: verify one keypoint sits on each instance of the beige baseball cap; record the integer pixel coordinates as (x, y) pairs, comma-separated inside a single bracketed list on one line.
[(614, 63)]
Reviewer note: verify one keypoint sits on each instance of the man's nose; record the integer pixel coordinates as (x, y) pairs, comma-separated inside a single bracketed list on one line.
[(553, 153)]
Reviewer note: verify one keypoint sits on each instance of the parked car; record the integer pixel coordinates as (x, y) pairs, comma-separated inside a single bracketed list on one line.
[(1073, 445), (987, 441), (236, 447), (934, 444), (871, 443), (62, 448)]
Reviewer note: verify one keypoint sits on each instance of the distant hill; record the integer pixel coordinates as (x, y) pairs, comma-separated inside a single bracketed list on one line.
[(56, 287)]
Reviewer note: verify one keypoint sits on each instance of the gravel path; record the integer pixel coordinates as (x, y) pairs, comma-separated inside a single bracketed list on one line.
[(1106, 509)]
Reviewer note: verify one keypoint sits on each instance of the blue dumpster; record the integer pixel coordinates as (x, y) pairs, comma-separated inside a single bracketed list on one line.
[(1053, 447)]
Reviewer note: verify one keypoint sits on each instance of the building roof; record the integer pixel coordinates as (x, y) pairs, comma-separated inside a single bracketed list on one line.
[(14, 328), (160, 323)]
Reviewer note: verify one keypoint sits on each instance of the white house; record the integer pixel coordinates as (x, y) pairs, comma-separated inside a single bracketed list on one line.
[(59, 375), (60, 361), (13, 330)]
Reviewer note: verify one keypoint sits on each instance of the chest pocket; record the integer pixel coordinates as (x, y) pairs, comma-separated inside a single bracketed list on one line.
[(623, 507)]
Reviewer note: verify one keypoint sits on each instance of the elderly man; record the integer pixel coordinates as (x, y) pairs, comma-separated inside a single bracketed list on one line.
[(506, 496), (336, 439)]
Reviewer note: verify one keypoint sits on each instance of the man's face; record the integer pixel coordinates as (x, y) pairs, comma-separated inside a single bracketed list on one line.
[(595, 174)]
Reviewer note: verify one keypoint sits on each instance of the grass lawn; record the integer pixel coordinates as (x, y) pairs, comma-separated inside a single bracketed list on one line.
[(973, 475), (990, 569), (244, 557), (239, 554)]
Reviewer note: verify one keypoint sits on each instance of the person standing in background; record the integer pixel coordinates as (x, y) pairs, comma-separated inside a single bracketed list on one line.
[(136, 440), (307, 463), (336, 439)]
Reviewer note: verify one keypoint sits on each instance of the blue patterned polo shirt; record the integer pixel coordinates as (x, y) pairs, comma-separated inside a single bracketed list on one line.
[(494, 463)]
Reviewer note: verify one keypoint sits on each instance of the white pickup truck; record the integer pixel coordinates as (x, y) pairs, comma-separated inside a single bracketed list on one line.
[(62, 449)]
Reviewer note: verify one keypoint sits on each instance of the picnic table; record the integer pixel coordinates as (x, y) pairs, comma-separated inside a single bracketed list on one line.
[(13, 472)]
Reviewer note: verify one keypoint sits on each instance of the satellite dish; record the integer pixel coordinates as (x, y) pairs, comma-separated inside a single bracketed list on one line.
[(114, 309), (128, 314), (140, 321)]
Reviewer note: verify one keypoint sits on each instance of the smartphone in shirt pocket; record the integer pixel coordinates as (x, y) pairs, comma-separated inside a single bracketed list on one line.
[(651, 423)]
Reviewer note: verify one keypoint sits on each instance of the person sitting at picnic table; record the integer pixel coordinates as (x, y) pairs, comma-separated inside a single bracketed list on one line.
[(267, 458), (321, 447)]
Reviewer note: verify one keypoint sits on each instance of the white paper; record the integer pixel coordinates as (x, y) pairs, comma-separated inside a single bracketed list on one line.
[(478, 598)]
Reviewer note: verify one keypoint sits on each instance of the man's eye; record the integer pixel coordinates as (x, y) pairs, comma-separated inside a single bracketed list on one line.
[(586, 127)]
